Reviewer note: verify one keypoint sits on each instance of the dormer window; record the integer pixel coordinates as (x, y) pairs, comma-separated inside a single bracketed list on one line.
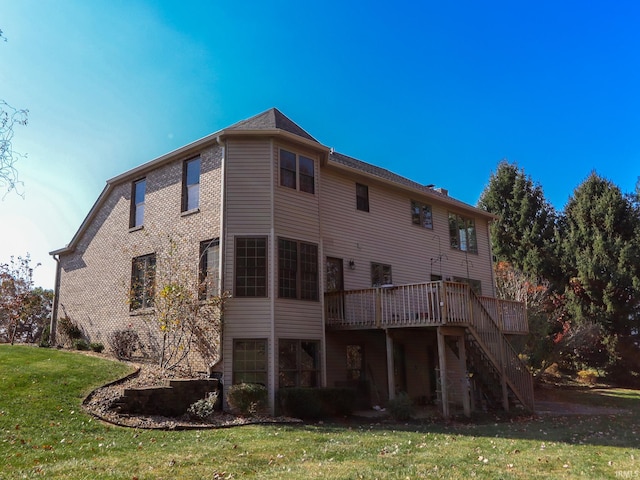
[(297, 172)]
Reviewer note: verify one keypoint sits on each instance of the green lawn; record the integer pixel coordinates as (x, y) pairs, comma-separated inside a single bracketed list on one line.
[(44, 433)]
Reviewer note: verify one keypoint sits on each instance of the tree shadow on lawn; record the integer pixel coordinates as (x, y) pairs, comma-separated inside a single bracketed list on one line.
[(570, 415)]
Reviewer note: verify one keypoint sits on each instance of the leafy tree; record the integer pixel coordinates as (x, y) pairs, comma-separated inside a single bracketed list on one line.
[(601, 256), (9, 118), (512, 284), (35, 315), (523, 234), (181, 321), (24, 310)]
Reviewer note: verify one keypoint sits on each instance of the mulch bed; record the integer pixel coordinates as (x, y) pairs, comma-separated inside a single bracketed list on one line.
[(100, 404)]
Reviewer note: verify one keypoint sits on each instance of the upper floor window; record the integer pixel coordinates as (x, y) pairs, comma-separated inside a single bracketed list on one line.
[(362, 197), (191, 184), (421, 214), (297, 172), (251, 267), (462, 233), (297, 270), (209, 269), (380, 274), (138, 190), (143, 277)]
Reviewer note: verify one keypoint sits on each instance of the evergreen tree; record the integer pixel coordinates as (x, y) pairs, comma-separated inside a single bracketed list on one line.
[(600, 249), (523, 234)]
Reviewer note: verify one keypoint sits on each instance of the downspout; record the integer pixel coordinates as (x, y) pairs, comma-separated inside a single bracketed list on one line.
[(272, 284), (217, 364), (53, 326), (323, 281)]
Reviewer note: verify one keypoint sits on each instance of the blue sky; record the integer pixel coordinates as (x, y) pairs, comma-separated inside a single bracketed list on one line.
[(436, 91)]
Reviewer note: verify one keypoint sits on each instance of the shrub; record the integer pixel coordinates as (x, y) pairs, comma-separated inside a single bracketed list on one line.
[(401, 407), (96, 347), (588, 376), (301, 402), (203, 409), (69, 328), (312, 403), (337, 401), (80, 344), (124, 343), (45, 337), (247, 398)]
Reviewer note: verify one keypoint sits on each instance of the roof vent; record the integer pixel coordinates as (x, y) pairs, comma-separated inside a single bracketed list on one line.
[(441, 190)]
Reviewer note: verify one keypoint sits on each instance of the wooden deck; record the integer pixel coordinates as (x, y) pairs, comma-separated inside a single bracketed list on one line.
[(486, 320), (418, 305)]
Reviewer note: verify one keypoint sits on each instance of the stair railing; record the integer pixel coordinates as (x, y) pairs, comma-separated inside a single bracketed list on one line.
[(464, 304)]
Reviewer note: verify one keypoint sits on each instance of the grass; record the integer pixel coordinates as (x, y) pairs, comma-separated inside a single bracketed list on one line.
[(44, 433)]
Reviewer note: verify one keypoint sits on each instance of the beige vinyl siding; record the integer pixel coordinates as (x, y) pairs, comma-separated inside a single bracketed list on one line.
[(248, 187), (297, 217), (297, 213), (247, 200), (298, 319), (386, 235), (248, 213)]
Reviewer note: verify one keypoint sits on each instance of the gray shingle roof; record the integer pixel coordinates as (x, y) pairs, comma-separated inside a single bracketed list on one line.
[(377, 171), (275, 119), (271, 119), (388, 175)]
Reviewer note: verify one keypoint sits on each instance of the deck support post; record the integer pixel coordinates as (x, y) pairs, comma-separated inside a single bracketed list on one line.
[(466, 391), (442, 360), (444, 309), (391, 380)]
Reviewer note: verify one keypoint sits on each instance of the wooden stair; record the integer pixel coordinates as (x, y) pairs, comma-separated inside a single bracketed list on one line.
[(501, 377)]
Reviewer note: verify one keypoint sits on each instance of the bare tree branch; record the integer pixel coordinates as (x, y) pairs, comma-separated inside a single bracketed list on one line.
[(9, 118)]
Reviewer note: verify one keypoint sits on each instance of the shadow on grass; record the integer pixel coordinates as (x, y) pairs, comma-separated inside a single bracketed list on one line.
[(574, 421)]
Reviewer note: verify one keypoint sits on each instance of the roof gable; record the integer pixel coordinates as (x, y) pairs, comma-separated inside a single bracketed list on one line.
[(270, 120)]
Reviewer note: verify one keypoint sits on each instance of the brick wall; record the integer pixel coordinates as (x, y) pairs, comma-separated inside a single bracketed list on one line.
[(96, 278)]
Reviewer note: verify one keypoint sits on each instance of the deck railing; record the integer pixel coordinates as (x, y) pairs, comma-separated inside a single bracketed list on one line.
[(509, 315), (500, 352), (419, 304)]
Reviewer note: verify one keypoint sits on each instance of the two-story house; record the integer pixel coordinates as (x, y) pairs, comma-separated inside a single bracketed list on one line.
[(340, 272)]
